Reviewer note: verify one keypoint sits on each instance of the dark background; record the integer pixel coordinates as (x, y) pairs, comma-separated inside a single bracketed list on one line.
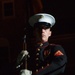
[(12, 30), (64, 12)]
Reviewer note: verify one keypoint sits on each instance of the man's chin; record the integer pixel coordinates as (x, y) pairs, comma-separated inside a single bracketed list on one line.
[(44, 40)]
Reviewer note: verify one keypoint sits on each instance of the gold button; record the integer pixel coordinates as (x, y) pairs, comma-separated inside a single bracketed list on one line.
[(36, 70), (38, 49), (41, 44), (37, 58), (47, 64), (37, 54), (42, 67)]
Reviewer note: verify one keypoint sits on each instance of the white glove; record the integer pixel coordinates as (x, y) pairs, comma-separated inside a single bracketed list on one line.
[(25, 72)]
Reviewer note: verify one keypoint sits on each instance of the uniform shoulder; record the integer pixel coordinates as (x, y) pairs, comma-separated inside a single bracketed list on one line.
[(56, 47), (54, 44)]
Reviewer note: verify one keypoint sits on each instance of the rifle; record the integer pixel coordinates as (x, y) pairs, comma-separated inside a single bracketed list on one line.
[(24, 55)]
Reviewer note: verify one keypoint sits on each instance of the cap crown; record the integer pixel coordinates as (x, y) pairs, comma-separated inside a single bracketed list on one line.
[(42, 17)]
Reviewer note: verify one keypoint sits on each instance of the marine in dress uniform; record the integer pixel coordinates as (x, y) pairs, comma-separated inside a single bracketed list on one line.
[(45, 58), (50, 59)]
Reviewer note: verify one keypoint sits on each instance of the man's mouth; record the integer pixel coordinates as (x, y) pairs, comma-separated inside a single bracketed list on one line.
[(43, 35)]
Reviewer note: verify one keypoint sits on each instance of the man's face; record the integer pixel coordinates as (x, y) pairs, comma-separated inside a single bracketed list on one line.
[(42, 34)]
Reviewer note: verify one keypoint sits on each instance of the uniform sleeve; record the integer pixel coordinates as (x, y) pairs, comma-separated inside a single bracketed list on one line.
[(57, 65)]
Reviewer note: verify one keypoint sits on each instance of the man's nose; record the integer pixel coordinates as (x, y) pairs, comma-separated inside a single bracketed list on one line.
[(43, 30)]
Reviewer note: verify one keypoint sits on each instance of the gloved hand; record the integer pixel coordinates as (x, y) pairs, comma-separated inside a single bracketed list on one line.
[(25, 72)]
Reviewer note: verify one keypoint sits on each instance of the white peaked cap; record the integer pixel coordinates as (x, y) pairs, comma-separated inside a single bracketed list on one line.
[(42, 17)]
